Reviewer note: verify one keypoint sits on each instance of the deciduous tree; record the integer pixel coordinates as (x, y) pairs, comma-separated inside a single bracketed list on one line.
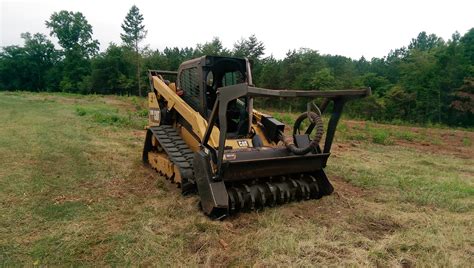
[(74, 34)]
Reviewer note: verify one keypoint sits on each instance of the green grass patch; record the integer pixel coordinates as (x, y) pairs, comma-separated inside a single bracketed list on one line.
[(466, 142), (406, 135), (143, 112), (357, 136), (80, 111), (61, 211), (342, 128), (381, 136), (119, 254), (113, 117), (418, 178), (73, 192), (448, 194), (285, 118)]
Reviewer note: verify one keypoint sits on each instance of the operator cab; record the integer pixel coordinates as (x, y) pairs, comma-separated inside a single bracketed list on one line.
[(201, 94)]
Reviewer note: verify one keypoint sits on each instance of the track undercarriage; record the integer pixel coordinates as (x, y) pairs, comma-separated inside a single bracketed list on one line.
[(167, 153)]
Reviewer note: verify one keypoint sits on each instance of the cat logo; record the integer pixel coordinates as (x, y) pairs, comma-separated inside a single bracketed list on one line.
[(243, 143)]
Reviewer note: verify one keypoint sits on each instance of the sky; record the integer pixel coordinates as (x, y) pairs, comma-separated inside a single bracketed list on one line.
[(369, 28)]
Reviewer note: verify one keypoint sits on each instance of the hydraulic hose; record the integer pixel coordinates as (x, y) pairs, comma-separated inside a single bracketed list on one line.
[(316, 121)]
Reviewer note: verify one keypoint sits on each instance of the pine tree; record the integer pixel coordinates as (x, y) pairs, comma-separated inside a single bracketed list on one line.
[(251, 48), (134, 33)]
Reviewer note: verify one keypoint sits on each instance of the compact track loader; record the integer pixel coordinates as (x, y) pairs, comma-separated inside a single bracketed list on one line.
[(204, 135)]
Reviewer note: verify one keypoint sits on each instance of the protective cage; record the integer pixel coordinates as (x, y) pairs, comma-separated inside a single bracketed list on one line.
[(252, 179)]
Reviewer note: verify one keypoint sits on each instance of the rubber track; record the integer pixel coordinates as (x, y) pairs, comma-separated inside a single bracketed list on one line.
[(178, 152), (246, 195)]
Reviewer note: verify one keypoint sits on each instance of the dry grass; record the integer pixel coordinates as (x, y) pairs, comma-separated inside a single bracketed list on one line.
[(74, 192)]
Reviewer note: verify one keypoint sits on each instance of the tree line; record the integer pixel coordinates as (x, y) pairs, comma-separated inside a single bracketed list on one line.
[(429, 80)]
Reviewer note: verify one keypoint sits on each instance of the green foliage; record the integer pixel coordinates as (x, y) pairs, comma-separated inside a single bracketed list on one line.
[(397, 103), (425, 42), (379, 84), (370, 107), (405, 135), (143, 112), (112, 117), (133, 29), (27, 67), (74, 33), (112, 71), (463, 102), (133, 33), (324, 80), (381, 136), (81, 111), (428, 81), (358, 136), (466, 142), (285, 118), (214, 48), (250, 48)]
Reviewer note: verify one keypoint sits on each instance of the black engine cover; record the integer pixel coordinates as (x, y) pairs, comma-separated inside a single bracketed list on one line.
[(272, 128)]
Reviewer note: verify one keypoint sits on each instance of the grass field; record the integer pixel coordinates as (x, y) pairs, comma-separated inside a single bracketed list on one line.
[(73, 191)]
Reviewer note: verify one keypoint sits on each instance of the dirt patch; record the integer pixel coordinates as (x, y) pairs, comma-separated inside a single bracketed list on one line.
[(241, 221), (69, 198), (328, 210), (345, 189), (112, 225), (142, 186), (448, 143), (434, 140), (373, 226), (222, 258), (198, 244), (99, 251), (139, 134)]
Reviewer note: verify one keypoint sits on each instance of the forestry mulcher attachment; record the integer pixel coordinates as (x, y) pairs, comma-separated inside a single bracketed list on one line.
[(205, 136)]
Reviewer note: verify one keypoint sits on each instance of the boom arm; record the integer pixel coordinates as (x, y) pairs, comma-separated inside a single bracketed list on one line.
[(199, 124)]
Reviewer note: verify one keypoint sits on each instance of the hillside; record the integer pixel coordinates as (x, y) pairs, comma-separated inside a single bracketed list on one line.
[(73, 191)]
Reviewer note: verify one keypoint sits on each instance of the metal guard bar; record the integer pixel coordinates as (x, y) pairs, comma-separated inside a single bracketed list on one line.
[(226, 94), (264, 92)]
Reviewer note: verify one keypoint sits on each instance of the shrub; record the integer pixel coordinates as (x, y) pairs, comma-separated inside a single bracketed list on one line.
[(357, 136), (284, 118), (111, 119), (81, 111), (405, 135), (142, 112), (380, 136), (466, 142)]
